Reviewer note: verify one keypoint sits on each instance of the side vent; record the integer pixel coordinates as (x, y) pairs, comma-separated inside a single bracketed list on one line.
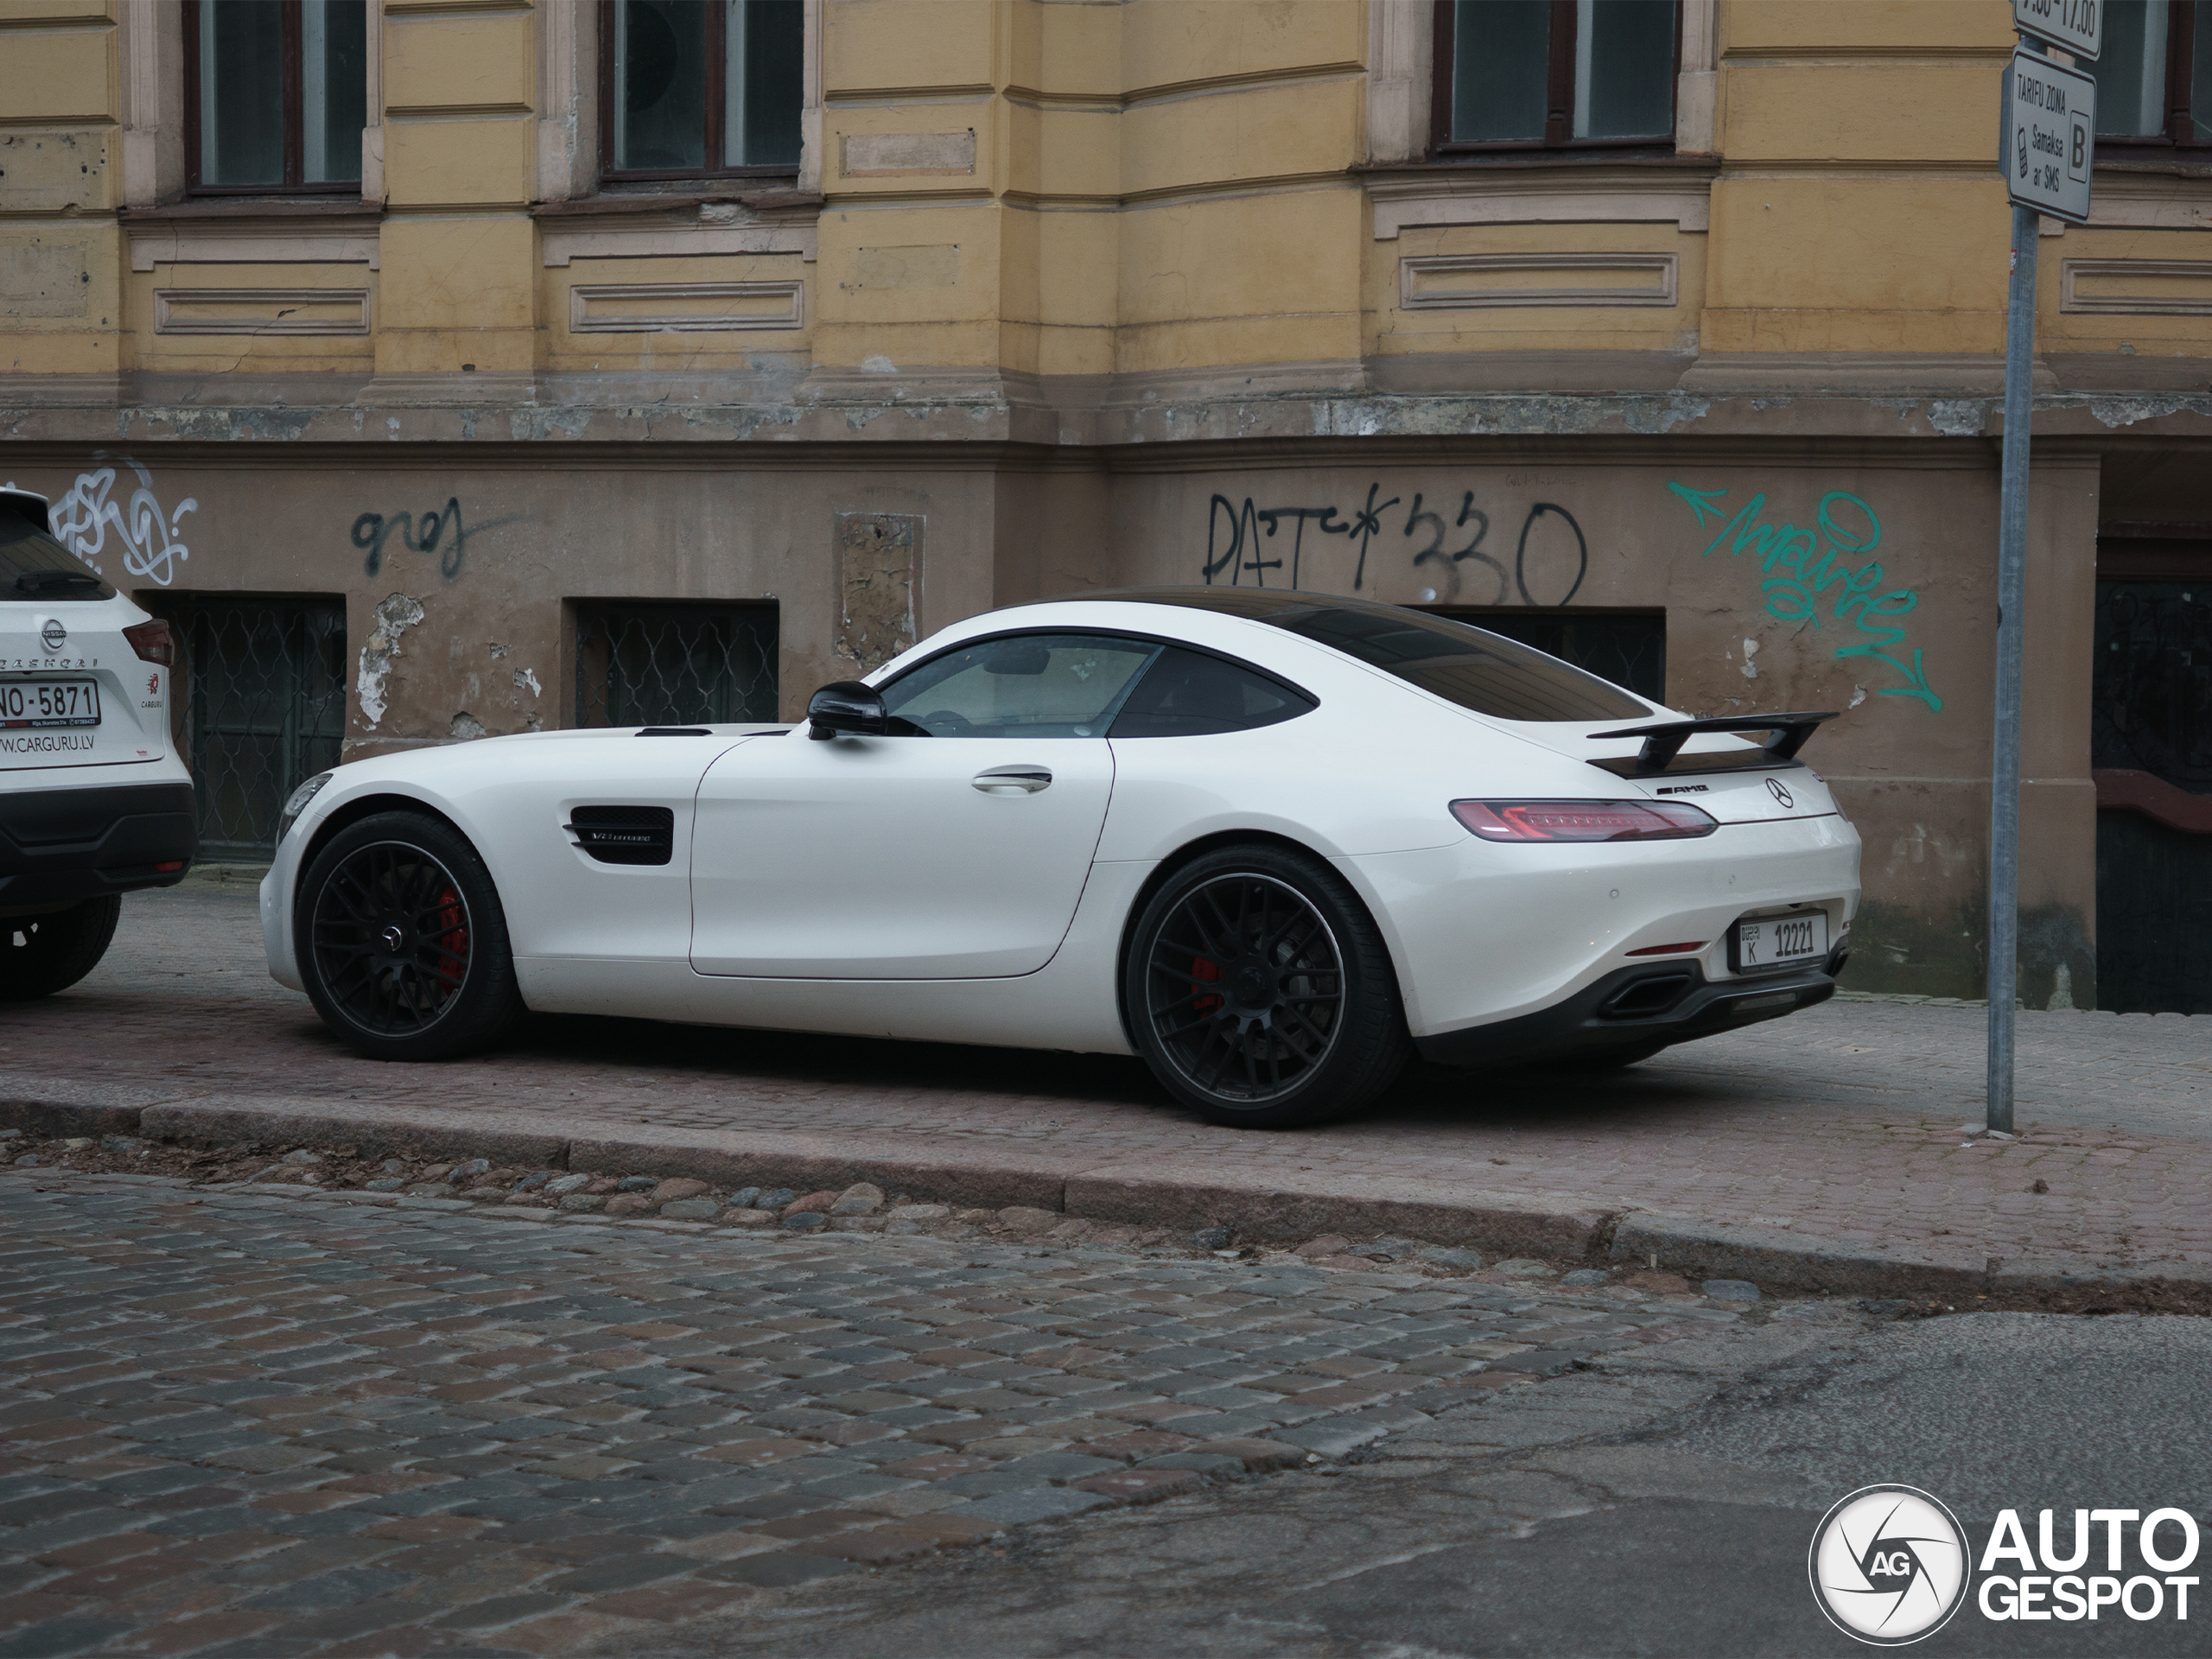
[(625, 835)]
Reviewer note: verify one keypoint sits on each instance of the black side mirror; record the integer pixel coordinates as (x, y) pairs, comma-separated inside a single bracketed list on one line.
[(845, 707)]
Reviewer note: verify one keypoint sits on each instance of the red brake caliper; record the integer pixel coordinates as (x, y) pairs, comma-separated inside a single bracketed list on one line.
[(452, 936), (1201, 969)]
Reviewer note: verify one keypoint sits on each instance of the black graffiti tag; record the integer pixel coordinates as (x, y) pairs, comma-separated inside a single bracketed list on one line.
[(425, 534), (1521, 553), (1234, 545)]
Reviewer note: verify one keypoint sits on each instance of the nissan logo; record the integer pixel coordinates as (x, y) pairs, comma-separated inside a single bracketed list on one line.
[(1777, 788), (52, 635)]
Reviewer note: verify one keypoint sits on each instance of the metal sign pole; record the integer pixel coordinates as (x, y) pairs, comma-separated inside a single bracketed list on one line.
[(2046, 145), (2011, 589)]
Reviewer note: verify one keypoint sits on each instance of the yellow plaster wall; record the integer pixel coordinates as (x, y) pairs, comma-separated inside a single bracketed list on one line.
[(468, 61), (1178, 42), (1158, 185), (894, 45), (1888, 263), (456, 289), (62, 72)]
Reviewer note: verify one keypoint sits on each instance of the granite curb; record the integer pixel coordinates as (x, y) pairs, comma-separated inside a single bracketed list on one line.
[(1273, 1210)]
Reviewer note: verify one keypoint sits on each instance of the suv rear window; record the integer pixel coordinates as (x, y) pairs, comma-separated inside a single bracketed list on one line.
[(1472, 667), (33, 566)]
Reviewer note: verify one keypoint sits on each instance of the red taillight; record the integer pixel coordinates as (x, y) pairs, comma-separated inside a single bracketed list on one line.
[(1667, 950), (153, 642), (1583, 820)]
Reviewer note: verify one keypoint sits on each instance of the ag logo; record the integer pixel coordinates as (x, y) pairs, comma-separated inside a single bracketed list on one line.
[(1889, 1564), (52, 635)]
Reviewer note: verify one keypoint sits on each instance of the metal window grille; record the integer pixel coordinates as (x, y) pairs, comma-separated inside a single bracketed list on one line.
[(265, 709), (675, 665), (1629, 650)]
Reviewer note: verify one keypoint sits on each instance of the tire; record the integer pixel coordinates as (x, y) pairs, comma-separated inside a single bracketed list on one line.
[(1308, 1024), (402, 941), (40, 955)]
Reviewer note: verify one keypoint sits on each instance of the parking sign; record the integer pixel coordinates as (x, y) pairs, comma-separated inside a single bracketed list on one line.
[(2075, 26), (2051, 136)]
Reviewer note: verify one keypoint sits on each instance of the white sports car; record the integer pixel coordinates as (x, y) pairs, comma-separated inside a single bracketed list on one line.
[(1275, 842)]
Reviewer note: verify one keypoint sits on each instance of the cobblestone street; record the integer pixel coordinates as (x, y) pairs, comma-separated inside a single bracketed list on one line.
[(244, 1424)]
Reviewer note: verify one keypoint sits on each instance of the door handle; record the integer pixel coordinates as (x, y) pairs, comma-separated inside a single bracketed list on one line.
[(1000, 780)]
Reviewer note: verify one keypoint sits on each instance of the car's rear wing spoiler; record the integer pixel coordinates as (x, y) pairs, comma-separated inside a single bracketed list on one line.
[(1662, 744)]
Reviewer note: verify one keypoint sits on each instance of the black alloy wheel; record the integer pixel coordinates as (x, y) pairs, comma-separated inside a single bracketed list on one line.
[(401, 941), (1260, 991)]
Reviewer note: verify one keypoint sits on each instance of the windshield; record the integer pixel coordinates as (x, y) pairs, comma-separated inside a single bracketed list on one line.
[(1471, 667), (33, 565)]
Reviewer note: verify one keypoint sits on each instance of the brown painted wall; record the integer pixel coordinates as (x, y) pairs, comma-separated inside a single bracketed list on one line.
[(1836, 577)]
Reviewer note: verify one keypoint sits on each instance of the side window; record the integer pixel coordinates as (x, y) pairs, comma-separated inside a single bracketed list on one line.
[(1019, 685), (1188, 694)]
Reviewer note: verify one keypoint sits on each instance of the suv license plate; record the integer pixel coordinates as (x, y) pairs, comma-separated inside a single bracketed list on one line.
[(35, 703), (1781, 941)]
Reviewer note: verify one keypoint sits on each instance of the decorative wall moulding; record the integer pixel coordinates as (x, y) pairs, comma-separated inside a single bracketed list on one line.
[(907, 154), (684, 308), (2136, 288), (1477, 282), (244, 242), (261, 311)]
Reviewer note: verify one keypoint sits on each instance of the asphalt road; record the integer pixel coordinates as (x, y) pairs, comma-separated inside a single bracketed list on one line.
[(1662, 1504)]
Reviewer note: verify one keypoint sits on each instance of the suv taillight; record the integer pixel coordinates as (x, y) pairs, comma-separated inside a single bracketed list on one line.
[(153, 642), (1583, 820)]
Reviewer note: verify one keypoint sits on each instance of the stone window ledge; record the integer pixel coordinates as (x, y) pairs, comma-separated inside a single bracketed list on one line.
[(662, 225), (245, 231)]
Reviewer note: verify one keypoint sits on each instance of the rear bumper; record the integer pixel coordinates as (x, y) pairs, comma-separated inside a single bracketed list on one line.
[(1670, 1002), (61, 846)]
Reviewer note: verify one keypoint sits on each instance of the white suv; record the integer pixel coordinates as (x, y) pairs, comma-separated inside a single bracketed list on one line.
[(94, 799)]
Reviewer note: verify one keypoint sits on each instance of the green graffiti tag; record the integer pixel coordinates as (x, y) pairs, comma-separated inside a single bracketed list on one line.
[(1798, 584)]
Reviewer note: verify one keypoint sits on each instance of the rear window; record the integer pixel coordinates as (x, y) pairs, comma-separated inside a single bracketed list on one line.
[(1471, 667), (33, 566)]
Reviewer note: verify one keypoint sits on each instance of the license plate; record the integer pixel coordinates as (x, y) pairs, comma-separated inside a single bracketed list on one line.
[(34, 703), (1781, 941)]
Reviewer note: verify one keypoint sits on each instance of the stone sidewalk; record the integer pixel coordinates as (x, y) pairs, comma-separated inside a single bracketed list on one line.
[(1825, 1151)]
